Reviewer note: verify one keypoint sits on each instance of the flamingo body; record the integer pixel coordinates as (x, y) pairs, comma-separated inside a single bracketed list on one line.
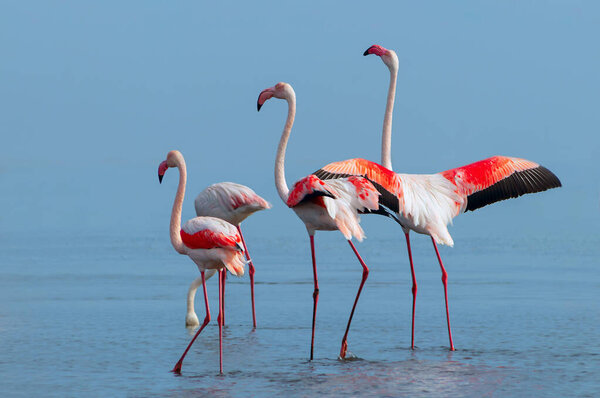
[(426, 203), (229, 201), (233, 203), (333, 205), (209, 233), (213, 243), (306, 189)]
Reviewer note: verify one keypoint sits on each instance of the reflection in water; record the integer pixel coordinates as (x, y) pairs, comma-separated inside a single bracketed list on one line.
[(411, 377), (365, 378)]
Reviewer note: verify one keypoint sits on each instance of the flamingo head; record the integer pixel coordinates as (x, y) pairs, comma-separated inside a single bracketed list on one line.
[(280, 90), (172, 161), (388, 57)]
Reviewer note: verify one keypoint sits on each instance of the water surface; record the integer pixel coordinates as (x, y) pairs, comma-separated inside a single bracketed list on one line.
[(103, 315)]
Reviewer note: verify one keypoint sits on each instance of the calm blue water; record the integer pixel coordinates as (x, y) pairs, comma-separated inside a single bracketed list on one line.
[(102, 314)]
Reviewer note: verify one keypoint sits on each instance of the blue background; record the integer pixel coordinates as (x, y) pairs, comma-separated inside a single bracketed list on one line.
[(95, 94)]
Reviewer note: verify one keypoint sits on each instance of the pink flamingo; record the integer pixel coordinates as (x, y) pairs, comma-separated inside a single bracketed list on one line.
[(233, 203), (321, 206), (427, 203), (211, 243)]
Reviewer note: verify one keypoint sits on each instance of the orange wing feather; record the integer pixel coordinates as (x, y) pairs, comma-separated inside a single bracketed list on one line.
[(365, 168)]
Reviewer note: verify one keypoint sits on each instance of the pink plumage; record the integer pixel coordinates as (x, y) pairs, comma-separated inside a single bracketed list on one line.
[(366, 193), (342, 199), (213, 244), (307, 188), (229, 201), (210, 233), (233, 203), (321, 206), (427, 203), (499, 178)]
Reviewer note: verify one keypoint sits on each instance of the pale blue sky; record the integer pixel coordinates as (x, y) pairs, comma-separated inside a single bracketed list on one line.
[(94, 94)]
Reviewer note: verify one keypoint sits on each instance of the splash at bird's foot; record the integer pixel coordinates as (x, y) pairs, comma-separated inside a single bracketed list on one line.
[(343, 350), (349, 356), (177, 368)]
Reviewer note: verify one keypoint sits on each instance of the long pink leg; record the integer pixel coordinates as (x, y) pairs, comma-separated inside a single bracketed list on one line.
[(177, 368), (365, 274), (220, 317), (223, 306), (315, 295), (251, 273), (445, 282), (414, 291)]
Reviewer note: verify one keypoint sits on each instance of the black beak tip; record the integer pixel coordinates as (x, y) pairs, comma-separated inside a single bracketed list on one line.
[(160, 177), (258, 106), (366, 51)]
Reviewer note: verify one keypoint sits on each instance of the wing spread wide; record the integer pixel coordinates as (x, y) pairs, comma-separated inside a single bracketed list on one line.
[(480, 184), (498, 178)]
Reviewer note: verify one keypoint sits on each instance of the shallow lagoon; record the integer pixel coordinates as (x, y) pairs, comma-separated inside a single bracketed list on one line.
[(103, 315)]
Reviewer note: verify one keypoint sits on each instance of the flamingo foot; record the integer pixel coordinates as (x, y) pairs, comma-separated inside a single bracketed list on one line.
[(343, 350), (177, 368)]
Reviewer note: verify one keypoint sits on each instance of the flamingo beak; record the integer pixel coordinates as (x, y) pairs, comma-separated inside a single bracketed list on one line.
[(376, 49), (162, 167), (370, 50), (263, 97)]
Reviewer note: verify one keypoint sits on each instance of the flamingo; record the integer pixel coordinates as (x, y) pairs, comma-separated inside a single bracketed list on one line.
[(212, 244), (426, 203), (321, 206), (233, 203)]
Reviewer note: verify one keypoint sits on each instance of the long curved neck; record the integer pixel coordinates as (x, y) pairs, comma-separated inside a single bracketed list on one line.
[(280, 182), (386, 137), (175, 226)]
